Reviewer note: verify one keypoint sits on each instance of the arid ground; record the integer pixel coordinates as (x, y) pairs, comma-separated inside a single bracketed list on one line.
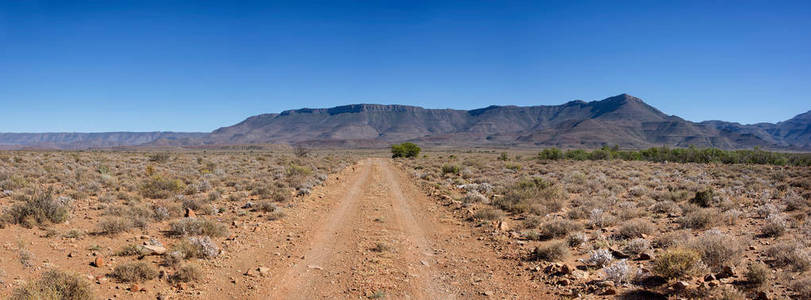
[(353, 225)]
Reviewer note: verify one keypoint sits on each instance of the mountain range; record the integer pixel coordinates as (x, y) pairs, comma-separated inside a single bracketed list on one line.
[(621, 120)]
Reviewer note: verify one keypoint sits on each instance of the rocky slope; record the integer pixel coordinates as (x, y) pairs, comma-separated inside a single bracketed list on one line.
[(622, 120)]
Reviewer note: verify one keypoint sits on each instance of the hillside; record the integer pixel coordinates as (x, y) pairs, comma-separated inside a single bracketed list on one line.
[(621, 120)]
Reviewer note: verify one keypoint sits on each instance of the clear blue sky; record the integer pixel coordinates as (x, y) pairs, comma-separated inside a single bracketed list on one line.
[(195, 66)]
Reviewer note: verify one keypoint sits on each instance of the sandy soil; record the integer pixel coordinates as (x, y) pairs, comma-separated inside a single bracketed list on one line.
[(369, 232)]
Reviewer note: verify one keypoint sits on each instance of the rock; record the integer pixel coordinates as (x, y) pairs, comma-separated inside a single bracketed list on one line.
[(315, 267), (154, 250), (609, 291), (135, 288), (503, 225), (645, 256), (98, 262), (709, 278), (762, 296), (190, 213), (250, 273), (566, 269), (563, 282), (617, 254), (488, 293), (70, 254), (726, 272), (680, 285), (264, 271)]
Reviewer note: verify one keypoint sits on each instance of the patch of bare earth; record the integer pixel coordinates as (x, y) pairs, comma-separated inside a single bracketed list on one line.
[(368, 232)]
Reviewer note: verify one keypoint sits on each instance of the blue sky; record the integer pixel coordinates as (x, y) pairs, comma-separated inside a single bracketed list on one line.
[(196, 66)]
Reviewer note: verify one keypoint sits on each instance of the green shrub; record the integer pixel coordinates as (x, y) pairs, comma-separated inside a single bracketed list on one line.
[(677, 263), (550, 154), (134, 272), (407, 150), (54, 284), (704, 198), (450, 169)]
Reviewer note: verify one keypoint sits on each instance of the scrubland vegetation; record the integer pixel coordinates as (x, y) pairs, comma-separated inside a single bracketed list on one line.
[(652, 224), (74, 224)]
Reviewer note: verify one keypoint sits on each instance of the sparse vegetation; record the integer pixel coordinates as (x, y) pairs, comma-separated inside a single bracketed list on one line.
[(552, 251), (197, 226), (134, 272), (54, 284), (677, 263)]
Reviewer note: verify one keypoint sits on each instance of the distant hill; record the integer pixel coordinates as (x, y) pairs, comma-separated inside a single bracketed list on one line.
[(621, 120)]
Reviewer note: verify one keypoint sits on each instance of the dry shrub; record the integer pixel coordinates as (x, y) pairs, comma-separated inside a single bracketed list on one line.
[(54, 285), (113, 225), (158, 187), (635, 229), (802, 287), (558, 228), (701, 218), (134, 272), (187, 273), (552, 251), (717, 249), (197, 247), (790, 254), (677, 263), (757, 274), (38, 209), (197, 226), (531, 195), (489, 214)]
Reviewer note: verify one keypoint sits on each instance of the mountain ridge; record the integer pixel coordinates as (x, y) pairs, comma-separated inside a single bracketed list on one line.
[(622, 120)]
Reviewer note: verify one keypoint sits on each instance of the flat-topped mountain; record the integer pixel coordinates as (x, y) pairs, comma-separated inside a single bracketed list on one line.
[(621, 120)]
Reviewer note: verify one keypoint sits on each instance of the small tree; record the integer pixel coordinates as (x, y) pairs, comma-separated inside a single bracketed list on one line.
[(409, 150)]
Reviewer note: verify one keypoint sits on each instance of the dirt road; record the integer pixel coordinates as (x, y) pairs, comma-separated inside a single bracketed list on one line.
[(368, 232)]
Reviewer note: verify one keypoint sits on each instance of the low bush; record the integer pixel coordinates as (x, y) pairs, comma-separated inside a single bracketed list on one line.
[(407, 150), (552, 251), (775, 226), (704, 198), (757, 274), (39, 208), (635, 229), (197, 247), (533, 195), (55, 284), (677, 263), (197, 226), (558, 228), (187, 273), (717, 249), (790, 254), (489, 214), (113, 225), (701, 218), (134, 272), (158, 187)]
